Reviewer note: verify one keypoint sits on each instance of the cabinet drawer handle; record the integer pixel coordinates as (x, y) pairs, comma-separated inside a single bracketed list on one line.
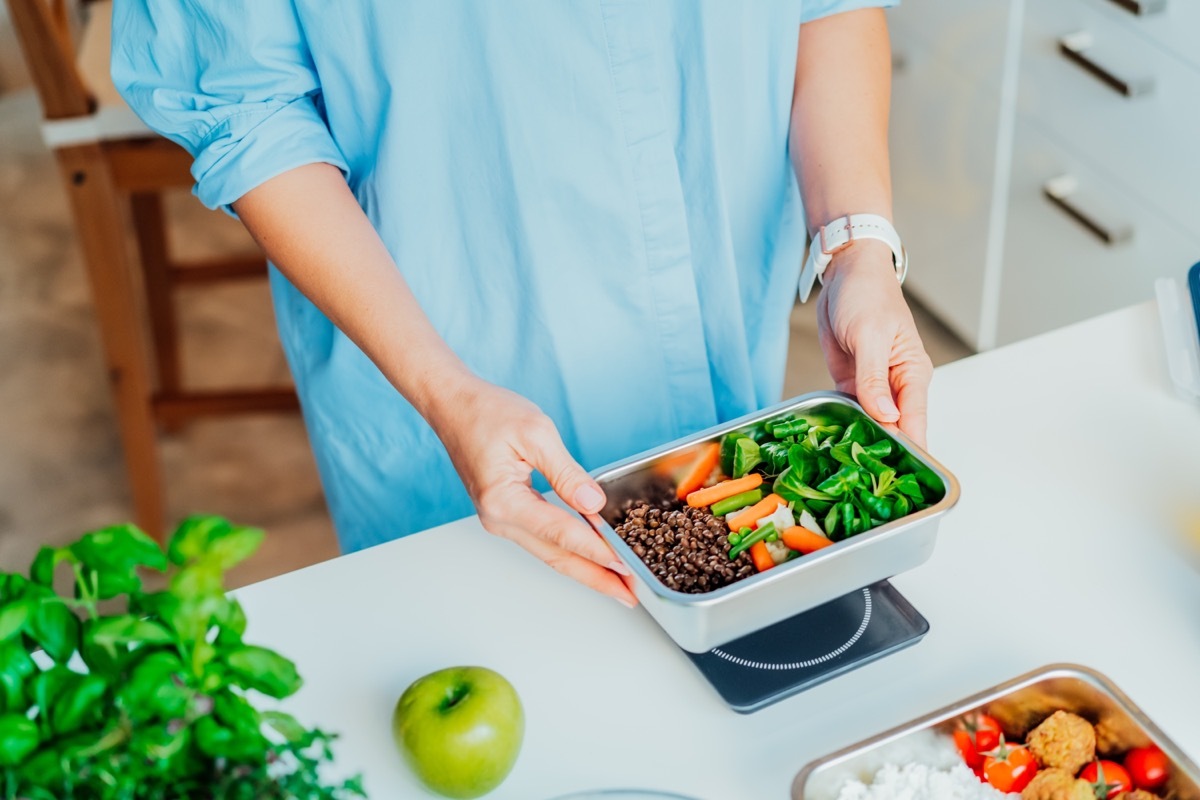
[(1060, 190), (1142, 7), (1074, 47)]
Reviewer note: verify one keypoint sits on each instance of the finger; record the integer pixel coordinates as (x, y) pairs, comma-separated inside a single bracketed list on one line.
[(912, 394), (549, 456), (530, 514), (578, 568), (841, 366), (872, 387)]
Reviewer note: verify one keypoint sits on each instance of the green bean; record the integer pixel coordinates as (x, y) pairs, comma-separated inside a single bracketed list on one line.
[(751, 539), (729, 504)]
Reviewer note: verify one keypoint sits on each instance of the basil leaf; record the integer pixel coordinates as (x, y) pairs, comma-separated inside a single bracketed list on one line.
[(45, 562), (193, 536), (284, 724), (120, 549), (55, 627), (18, 738), (13, 617), (77, 702), (234, 546), (263, 670), (155, 689), (111, 632)]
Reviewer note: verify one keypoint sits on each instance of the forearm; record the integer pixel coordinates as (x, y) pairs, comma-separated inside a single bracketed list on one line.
[(310, 226), (838, 137)]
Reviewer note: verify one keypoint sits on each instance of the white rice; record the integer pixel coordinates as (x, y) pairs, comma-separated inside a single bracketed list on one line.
[(921, 782), (924, 765)]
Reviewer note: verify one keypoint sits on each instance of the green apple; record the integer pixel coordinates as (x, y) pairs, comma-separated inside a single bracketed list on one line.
[(460, 729)]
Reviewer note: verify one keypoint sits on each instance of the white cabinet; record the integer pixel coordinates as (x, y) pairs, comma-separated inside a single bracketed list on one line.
[(943, 164), (1088, 100), (1059, 268)]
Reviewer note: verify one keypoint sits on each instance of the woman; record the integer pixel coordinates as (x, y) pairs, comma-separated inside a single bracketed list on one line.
[(506, 233)]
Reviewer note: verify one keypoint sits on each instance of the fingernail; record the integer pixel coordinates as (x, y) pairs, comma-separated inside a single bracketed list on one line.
[(588, 498), (619, 568), (625, 602), (887, 407)]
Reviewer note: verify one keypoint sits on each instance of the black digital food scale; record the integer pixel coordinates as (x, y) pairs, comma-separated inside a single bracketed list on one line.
[(800, 652)]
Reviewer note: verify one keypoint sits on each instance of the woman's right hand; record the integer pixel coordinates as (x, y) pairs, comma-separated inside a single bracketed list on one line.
[(496, 439)]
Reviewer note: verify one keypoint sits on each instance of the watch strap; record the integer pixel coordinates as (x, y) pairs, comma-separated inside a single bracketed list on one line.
[(840, 234)]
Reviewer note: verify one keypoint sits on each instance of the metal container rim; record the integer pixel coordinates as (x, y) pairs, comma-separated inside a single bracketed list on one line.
[(839, 549)]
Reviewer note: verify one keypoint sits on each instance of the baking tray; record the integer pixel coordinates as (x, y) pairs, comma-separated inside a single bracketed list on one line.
[(1018, 705), (700, 622)]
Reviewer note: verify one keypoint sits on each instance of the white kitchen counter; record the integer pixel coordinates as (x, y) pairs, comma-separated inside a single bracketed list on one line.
[(1075, 459)]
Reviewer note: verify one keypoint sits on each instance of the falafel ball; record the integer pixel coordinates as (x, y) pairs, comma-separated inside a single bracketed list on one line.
[(1140, 794), (1063, 740), (1057, 784)]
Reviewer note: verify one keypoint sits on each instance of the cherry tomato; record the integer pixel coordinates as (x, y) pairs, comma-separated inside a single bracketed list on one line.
[(1108, 778), (977, 733), (1010, 767), (1147, 767)]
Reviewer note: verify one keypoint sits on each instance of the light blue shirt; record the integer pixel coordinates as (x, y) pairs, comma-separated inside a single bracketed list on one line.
[(591, 200)]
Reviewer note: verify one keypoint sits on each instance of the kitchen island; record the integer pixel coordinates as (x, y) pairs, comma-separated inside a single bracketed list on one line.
[(1076, 462)]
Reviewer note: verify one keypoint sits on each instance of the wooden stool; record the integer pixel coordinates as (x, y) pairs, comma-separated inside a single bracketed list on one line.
[(116, 170)]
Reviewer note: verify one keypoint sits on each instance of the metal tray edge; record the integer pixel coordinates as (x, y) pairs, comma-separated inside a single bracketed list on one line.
[(1057, 670)]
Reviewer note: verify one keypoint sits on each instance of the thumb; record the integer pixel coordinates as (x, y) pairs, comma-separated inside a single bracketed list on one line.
[(872, 387), (569, 480)]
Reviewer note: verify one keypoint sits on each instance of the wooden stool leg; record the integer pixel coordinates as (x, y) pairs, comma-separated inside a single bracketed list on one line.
[(102, 231), (150, 226)]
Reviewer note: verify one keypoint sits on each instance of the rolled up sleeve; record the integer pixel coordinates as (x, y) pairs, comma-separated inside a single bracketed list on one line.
[(816, 9), (232, 81)]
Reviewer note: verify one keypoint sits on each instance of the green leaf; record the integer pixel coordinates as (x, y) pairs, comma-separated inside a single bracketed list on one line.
[(264, 670), (214, 739), (11, 586), (110, 632), (47, 687), (234, 546), (100, 660), (77, 702), (18, 738), (238, 715), (120, 549), (55, 627), (284, 724), (193, 536), (13, 618), (746, 456), (45, 562), (197, 579), (156, 688)]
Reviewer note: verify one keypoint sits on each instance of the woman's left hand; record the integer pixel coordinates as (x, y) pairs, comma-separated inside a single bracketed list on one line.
[(870, 341)]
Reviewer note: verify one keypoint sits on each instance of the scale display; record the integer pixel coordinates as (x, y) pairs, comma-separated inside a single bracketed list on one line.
[(800, 652)]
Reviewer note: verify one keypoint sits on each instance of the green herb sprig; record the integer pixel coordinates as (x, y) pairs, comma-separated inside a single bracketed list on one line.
[(140, 695)]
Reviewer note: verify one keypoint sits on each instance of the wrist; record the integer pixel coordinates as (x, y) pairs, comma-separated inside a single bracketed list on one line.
[(864, 255), (441, 390)]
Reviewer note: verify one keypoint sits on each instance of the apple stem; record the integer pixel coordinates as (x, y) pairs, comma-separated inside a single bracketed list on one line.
[(455, 696)]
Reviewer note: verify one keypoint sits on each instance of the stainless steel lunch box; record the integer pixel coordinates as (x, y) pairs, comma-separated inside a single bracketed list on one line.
[(1018, 705), (700, 622)]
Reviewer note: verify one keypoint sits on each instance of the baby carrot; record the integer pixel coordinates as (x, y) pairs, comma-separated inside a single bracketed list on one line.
[(749, 517), (804, 540), (761, 556), (706, 497), (706, 461)]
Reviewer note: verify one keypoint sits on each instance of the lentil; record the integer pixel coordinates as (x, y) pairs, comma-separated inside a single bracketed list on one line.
[(686, 548)]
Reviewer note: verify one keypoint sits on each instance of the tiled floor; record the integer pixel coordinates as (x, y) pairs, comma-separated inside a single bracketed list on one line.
[(60, 464)]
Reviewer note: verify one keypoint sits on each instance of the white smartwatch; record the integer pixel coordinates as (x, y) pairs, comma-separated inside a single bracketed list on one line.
[(840, 234)]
